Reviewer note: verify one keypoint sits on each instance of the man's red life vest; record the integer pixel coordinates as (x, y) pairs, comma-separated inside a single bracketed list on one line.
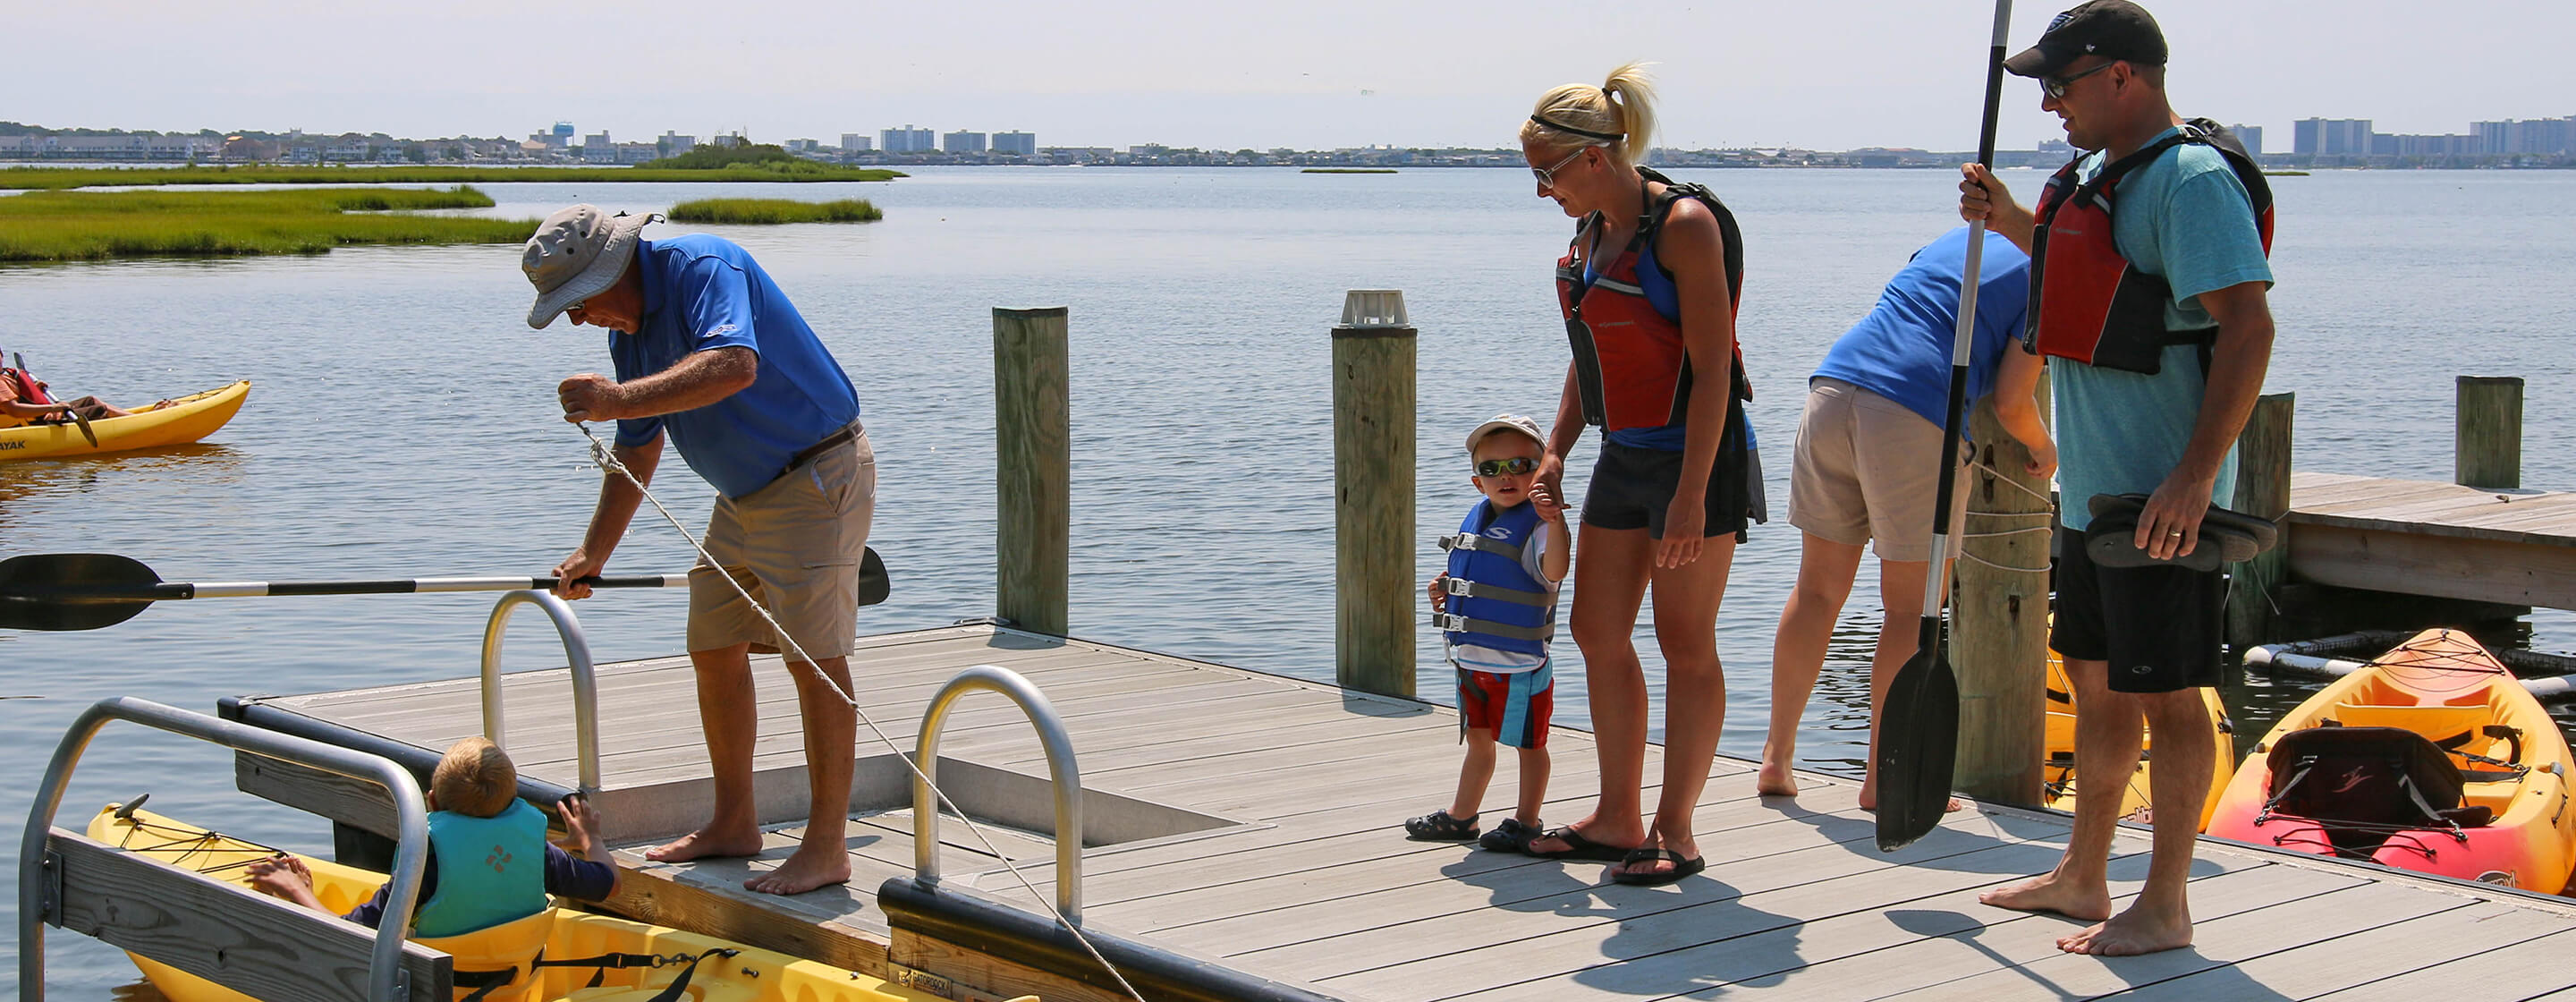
[(29, 390), (2087, 302), (1630, 367)]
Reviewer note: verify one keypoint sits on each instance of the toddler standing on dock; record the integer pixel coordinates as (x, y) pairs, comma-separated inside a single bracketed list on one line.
[(1497, 604)]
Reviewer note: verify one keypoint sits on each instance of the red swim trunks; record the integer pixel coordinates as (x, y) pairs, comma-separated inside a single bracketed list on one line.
[(1516, 707)]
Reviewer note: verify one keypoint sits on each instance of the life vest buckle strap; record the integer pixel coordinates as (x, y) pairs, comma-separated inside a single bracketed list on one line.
[(1463, 588)]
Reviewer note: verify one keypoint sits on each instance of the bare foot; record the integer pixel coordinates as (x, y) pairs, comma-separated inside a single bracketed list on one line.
[(2130, 934), (2046, 894), (811, 867), (705, 844), (1775, 781)]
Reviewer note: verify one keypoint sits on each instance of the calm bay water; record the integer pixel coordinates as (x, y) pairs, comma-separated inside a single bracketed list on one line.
[(403, 423)]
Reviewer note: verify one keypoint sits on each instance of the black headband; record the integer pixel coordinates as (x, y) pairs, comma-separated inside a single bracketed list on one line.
[(1607, 137)]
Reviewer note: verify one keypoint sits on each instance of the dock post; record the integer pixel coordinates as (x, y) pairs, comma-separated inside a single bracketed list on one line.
[(2262, 490), (1033, 464), (1373, 424), (2487, 448), (1999, 634)]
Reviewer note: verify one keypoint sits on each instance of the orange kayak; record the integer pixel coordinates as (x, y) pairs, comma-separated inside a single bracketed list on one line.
[(2060, 771)]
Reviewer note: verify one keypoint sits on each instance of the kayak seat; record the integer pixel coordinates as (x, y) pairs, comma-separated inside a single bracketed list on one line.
[(2362, 784), (2436, 723)]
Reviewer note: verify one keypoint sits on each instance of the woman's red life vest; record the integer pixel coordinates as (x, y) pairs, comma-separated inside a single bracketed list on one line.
[(1630, 367), (2087, 302)]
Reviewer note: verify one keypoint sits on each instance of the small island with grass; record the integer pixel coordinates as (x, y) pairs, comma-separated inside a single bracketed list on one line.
[(771, 211), (101, 225), (757, 163), (1348, 170)]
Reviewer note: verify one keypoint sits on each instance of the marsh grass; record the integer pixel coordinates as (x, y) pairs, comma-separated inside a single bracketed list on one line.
[(765, 211), (58, 177), (99, 225)]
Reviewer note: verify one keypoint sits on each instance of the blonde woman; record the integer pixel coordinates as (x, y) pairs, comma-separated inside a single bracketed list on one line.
[(1648, 288)]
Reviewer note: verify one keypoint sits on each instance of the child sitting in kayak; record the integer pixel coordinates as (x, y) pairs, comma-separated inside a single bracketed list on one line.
[(1496, 603), (505, 866)]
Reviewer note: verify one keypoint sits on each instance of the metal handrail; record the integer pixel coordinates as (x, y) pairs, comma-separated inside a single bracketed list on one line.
[(585, 677), (1061, 771), (385, 976)]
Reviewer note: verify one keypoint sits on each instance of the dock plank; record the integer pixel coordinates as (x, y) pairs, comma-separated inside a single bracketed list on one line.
[(2344, 962)]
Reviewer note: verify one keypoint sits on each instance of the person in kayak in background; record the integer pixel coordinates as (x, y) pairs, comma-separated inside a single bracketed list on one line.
[(2157, 325), (476, 815), (1862, 471), (23, 400), (708, 350)]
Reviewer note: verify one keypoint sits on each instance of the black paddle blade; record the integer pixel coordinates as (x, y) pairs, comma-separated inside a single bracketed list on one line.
[(873, 585), (1918, 744), (41, 591)]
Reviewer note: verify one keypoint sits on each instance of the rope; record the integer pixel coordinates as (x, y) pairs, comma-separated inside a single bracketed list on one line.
[(607, 460)]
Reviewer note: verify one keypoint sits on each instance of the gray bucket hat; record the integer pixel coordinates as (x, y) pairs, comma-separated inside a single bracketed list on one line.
[(1505, 422), (578, 253)]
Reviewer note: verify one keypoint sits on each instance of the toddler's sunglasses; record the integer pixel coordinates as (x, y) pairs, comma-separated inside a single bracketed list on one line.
[(1498, 467)]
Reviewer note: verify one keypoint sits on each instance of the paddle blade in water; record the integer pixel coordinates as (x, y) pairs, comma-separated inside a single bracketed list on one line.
[(873, 585), (42, 591), (1918, 744)]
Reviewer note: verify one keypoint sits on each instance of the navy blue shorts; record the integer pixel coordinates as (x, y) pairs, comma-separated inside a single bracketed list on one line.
[(2160, 628), (1632, 488)]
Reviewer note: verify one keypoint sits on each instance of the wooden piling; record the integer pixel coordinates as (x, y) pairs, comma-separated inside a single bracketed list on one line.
[(2487, 445), (1999, 635), (2263, 490), (1373, 483), (1033, 466)]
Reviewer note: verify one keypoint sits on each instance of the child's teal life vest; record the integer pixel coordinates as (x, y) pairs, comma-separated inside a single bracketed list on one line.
[(490, 870), (1494, 601)]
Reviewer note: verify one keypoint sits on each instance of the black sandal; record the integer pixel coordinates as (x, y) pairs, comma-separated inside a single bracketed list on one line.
[(1681, 867), (1438, 826), (1576, 847)]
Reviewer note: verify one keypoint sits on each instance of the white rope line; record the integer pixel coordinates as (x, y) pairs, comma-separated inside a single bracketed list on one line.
[(2016, 485), (1973, 558), (607, 460)]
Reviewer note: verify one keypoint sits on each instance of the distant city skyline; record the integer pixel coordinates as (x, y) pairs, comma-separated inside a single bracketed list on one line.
[(1324, 74)]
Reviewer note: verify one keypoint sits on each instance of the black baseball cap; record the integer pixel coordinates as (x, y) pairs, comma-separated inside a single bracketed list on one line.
[(2112, 29)]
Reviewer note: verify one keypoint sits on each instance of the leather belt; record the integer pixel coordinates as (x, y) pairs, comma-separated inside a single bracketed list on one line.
[(847, 433)]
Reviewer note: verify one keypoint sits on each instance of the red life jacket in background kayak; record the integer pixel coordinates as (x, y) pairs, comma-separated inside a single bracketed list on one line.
[(2087, 302), (29, 390), (1630, 367)]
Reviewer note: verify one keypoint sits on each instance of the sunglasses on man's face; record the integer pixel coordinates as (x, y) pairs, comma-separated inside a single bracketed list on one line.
[(1497, 467), (2055, 87)]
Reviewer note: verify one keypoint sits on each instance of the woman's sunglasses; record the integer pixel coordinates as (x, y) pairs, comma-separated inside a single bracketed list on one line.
[(1497, 467), (1547, 175)]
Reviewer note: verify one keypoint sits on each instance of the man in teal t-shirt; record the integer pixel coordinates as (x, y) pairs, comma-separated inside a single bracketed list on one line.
[(2139, 642)]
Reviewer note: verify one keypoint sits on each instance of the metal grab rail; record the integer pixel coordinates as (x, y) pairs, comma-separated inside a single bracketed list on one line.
[(1061, 771), (385, 976), (585, 677)]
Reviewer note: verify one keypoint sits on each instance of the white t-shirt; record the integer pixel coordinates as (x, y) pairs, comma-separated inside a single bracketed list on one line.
[(1478, 657)]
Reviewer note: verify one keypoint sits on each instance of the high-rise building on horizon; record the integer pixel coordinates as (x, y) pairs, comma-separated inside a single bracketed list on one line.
[(962, 142), (2332, 137), (857, 142), (909, 139), (1015, 141), (2251, 136)]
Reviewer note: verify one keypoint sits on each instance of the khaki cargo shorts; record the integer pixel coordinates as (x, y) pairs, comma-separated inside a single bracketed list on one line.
[(795, 544), (1863, 473)]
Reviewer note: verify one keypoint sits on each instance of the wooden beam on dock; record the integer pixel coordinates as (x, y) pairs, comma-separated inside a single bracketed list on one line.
[(2443, 540)]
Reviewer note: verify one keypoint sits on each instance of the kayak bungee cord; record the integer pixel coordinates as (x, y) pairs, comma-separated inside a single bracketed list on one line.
[(607, 460)]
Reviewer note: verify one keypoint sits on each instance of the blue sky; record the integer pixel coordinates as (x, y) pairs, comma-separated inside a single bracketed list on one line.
[(1826, 74)]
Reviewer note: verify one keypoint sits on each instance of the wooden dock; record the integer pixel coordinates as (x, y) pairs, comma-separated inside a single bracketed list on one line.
[(1298, 870), (2507, 546)]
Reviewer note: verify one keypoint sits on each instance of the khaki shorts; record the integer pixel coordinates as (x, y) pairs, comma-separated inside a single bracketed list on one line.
[(795, 544), (1863, 473)]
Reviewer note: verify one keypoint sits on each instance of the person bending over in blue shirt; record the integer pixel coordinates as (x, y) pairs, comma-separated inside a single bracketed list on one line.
[(709, 352), (1864, 470)]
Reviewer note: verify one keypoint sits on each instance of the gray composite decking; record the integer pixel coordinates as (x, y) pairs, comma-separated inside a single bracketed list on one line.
[(1311, 881)]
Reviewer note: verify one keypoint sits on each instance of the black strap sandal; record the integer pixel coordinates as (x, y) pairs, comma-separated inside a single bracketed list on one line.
[(1438, 826)]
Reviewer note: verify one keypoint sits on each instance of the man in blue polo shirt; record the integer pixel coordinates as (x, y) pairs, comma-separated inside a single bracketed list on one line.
[(710, 354)]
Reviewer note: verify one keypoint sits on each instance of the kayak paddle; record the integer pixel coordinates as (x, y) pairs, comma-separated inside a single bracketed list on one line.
[(1918, 738), (76, 417), (88, 591)]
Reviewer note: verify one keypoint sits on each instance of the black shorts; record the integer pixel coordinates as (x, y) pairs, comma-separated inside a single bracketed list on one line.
[(2160, 628), (1633, 488)]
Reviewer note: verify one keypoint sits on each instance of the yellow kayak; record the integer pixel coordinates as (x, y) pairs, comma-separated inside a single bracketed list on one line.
[(186, 420), (744, 975), (2059, 773)]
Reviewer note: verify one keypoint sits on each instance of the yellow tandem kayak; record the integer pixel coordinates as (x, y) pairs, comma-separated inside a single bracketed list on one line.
[(186, 420), (2059, 774), (743, 975)]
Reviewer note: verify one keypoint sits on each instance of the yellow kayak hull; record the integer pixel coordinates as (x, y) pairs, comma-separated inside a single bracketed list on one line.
[(186, 420), (2059, 773), (751, 975)]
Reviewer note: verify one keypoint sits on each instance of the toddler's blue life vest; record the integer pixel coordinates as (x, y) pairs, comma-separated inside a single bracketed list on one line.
[(1494, 601), (490, 870)]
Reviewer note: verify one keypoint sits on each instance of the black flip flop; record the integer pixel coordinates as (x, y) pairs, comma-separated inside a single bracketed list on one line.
[(2226, 536), (1681, 867), (1576, 847)]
